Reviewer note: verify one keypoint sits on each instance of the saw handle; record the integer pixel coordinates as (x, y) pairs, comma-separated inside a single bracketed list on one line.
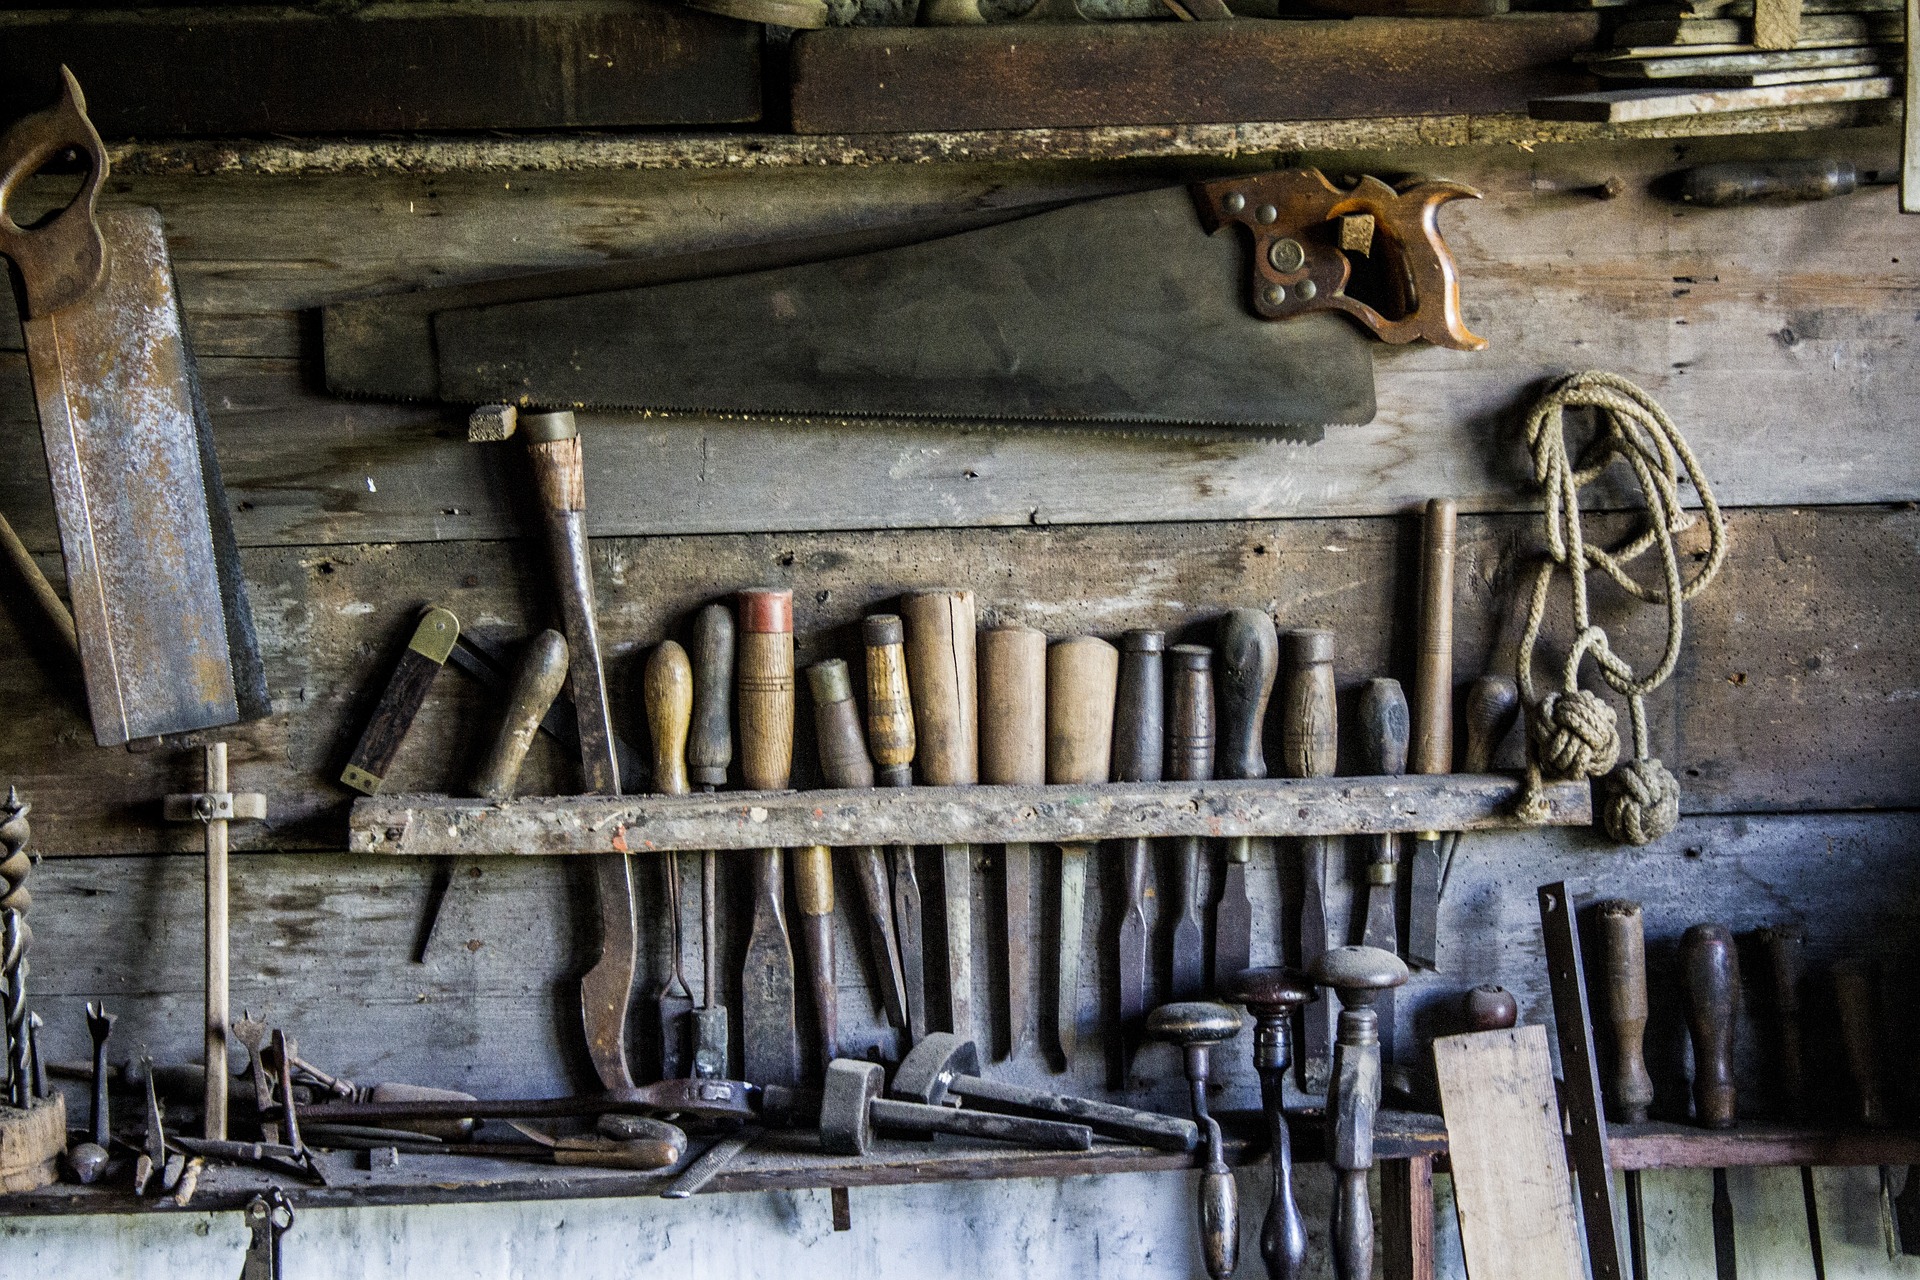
[(62, 257)]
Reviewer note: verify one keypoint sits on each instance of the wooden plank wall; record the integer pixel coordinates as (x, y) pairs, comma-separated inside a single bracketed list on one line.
[(1779, 338)]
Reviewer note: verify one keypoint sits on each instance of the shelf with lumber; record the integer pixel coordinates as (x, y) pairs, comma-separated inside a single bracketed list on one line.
[(439, 825)]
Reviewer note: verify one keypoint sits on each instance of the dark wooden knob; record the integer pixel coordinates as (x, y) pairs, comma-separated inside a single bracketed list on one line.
[(1623, 987), (1139, 725), (1491, 1008), (710, 741), (1082, 674), (668, 694), (1432, 750), (890, 735), (1711, 981), (1383, 728), (1270, 993), (1309, 725), (764, 679), (836, 723), (1492, 703), (1249, 663), (1013, 706), (1190, 706)]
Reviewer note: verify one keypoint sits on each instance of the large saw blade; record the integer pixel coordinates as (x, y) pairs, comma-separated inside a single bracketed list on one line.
[(1120, 310)]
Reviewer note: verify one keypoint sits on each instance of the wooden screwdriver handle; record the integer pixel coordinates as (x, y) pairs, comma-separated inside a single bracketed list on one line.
[(1710, 977), (1623, 982), (889, 702), (836, 721), (668, 694), (1383, 728), (1784, 946), (1139, 726), (1309, 722), (764, 681), (1013, 706), (1492, 703), (1190, 706), (710, 744), (1433, 661), (941, 669), (1083, 676), (1853, 1002), (536, 683), (1249, 662)]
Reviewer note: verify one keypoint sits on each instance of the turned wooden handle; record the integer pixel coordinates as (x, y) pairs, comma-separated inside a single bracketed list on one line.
[(668, 693), (1491, 1008), (710, 745), (536, 683), (1859, 1037), (1710, 977), (1785, 947), (889, 705), (1623, 982), (1249, 664), (813, 879), (1492, 703), (1433, 662), (1383, 728), (1190, 728), (941, 672), (1013, 706), (836, 725), (1083, 675), (1139, 724), (1309, 722), (764, 689)]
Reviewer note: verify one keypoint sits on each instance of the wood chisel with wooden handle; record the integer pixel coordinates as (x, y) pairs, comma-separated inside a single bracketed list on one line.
[(1710, 980), (1139, 747), (1190, 757), (1310, 748), (941, 670), (1783, 947), (770, 1036), (668, 695), (1853, 1003), (1013, 752), (1082, 675), (1383, 754), (709, 754), (1249, 661), (1432, 706), (1629, 1089), (405, 694), (844, 763), (890, 738)]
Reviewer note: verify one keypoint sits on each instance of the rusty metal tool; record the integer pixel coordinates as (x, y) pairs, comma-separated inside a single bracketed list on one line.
[(1249, 661), (668, 693), (1196, 1026), (405, 694), (1432, 706), (16, 940), (722, 1100), (943, 676), (1013, 752), (1139, 746), (159, 606), (763, 698), (269, 1217), (1383, 753), (709, 1164), (1271, 995), (1784, 948), (709, 753), (844, 763), (213, 809), (1309, 748), (1623, 979), (1190, 758), (1854, 1006), (890, 737), (813, 893), (1580, 1067), (89, 1158), (1083, 673), (1710, 981), (850, 1108), (1359, 976), (153, 1148)]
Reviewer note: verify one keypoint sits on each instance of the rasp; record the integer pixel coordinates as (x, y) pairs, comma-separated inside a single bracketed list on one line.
[(166, 638)]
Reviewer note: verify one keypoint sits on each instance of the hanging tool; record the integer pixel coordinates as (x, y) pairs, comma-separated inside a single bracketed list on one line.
[(844, 764), (1743, 182), (1623, 979), (1432, 747), (1784, 948), (1271, 996), (1190, 756), (1854, 1007), (89, 1159), (16, 940), (1196, 1026), (718, 1100), (709, 752), (1013, 752), (668, 694), (940, 667), (1249, 661), (1383, 753), (841, 755), (763, 699), (850, 1108), (269, 1217), (213, 809), (1309, 748), (405, 694), (1710, 980), (159, 605), (1359, 976), (1083, 675), (890, 737), (1139, 742)]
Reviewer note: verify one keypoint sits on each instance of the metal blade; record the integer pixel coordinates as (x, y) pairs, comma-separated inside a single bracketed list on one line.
[(1133, 932), (870, 866), (1725, 1261), (1073, 920), (1233, 917), (1188, 973), (1382, 928), (1117, 310), (1317, 1019), (1812, 1203), (956, 882), (907, 922), (1018, 867), (1423, 909), (770, 1035)]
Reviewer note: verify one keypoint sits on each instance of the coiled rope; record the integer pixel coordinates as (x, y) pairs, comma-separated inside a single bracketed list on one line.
[(1573, 732)]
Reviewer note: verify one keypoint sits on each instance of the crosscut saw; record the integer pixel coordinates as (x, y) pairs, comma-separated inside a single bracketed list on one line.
[(166, 639), (1128, 311)]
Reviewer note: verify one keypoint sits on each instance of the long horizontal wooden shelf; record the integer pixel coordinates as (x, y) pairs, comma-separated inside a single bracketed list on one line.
[(436, 825), (1674, 1146)]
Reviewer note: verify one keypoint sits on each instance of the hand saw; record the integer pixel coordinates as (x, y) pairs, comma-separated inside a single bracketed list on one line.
[(166, 639), (1124, 311)]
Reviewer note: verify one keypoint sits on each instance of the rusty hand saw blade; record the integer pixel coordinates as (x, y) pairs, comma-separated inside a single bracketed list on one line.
[(166, 639)]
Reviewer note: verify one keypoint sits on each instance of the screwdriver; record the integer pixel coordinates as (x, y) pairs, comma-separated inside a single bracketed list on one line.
[(1190, 746), (1309, 748), (1711, 980), (1139, 744), (890, 738), (668, 695), (1725, 185), (709, 753), (1013, 752), (764, 699), (1249, 660), (1082, 675), (1623, 979)]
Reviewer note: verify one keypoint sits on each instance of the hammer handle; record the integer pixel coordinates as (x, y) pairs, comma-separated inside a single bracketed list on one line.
[(1623, 980), (559, 481), (1710, 977), (710, 744), (1024, 1131), (941, 670), (1433, 662)]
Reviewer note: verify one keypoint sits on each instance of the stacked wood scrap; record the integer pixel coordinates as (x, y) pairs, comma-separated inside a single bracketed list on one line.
[(1699, 57)]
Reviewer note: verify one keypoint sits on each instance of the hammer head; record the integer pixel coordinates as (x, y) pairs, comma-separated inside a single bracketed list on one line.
[(850, 1090), (928, 1072)]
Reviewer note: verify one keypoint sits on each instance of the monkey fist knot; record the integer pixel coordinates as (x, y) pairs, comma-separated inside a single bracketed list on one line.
[(1576, 734), (1642, 802)]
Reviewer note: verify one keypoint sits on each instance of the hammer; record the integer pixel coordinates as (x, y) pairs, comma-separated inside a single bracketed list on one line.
[(850, 1108)]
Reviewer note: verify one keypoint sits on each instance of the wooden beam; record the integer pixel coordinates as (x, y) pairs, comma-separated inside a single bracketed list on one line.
[(1674, 1146), (1619, 105)]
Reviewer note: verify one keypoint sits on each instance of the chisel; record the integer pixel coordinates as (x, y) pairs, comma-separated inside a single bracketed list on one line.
[(1309, 748), (1431, 751), (1629, 1089), (1083, 675), (709, 753), (1249, 659), (844, 763), (1784, 947), (1710, 977), (1013, 752), (1853, 1001), (667, 692), (763, 698), (1190, 752), (843, 758), (1383, 753), (1139, 743), (890, 739), (941, 671)]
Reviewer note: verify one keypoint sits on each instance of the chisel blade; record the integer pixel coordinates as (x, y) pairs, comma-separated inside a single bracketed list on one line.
[(1133, 933), (956, 866), (907, 923), (1233, 917), (1725, 1262), (1189, 967), (1073, 918), (770, 1047), (1423, 909), (1017, 866)]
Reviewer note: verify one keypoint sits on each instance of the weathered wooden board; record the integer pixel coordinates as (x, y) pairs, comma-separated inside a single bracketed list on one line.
[(1655, 104)]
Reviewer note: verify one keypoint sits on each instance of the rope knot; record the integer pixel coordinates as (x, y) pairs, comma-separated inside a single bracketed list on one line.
[(1576, 734), (1642, 802)]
